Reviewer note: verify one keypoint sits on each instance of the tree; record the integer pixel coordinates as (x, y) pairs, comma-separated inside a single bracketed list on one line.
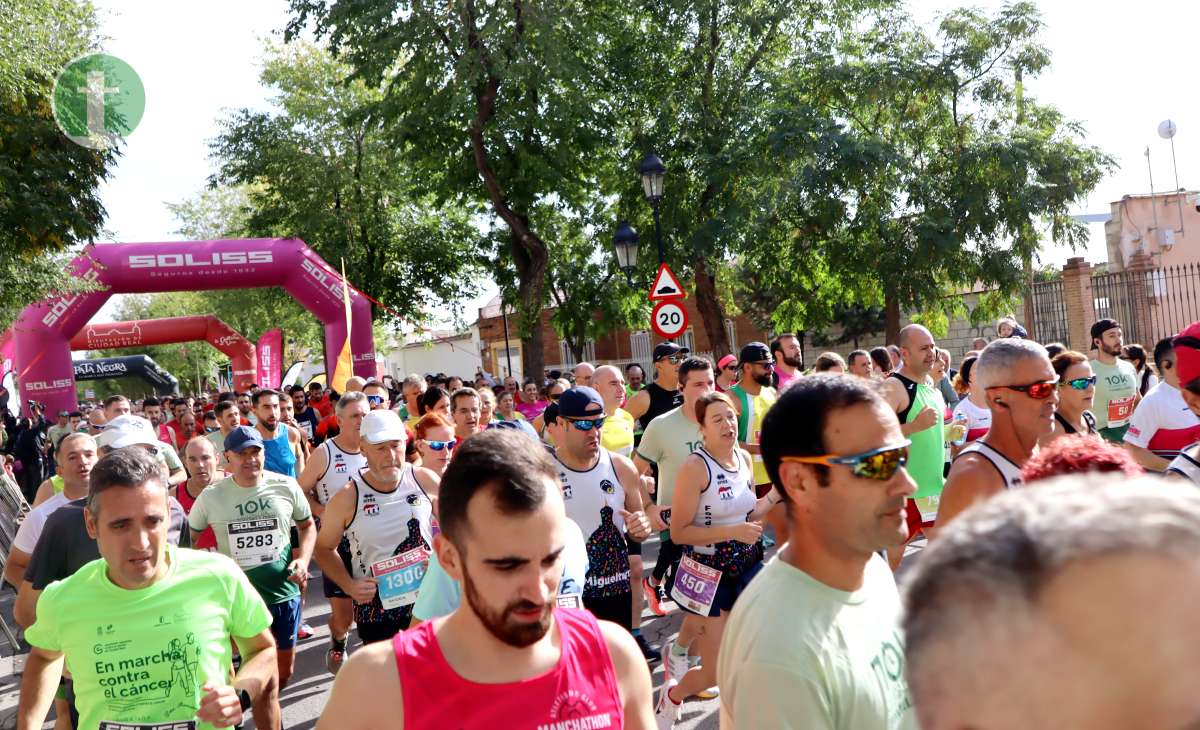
[(49, 186), (323, 169), (503, 106), (948, 175)]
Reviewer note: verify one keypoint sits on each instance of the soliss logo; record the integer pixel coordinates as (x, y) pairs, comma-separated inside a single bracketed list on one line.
[(61, 305), (176, 260), (331, 282), (43, 385)]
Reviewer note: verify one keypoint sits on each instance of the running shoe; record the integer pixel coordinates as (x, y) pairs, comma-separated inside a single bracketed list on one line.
[(711, 693), (648, 652), (305, 631), (667, 712), (674, 667), (334, 658), (656, 595)]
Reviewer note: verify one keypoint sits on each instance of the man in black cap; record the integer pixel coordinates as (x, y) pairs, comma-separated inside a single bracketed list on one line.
[(663, 394), (1116, 382), (603, 496), (752, 397)]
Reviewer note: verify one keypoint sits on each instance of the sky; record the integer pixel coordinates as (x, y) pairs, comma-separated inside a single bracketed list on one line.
[(1118, 68)]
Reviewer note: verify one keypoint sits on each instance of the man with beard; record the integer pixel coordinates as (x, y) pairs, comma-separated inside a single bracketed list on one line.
[(1022, 393), (305, 415), (918, 403), (228, 419), (1116, 382), (246, 409), (287, 415), (152, 409), (507, 656), (785, 350), (282, 451), (386, 514), (752, 397)]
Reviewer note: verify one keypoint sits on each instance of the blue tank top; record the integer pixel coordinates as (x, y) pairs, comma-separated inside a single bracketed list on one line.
[(277, 454)]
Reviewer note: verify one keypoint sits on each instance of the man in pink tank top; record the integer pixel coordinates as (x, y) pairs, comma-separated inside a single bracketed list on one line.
[(508, 656)]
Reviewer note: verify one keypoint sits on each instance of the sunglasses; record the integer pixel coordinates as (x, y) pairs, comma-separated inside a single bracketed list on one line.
[(1037, 391), (674, 359), (375, 399), (439, 445), (587, 424), (878, 464), (554, 396), (1080, 383), (730, 369)]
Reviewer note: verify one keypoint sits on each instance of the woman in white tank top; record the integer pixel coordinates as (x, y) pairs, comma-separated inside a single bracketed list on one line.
[(715, 517)]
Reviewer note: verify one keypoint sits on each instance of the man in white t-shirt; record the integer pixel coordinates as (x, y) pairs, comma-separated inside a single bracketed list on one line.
[(76, 456), (1162, 425), (835, 453)]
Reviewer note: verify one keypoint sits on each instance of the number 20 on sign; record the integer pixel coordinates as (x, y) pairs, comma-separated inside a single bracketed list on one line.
[(669, 319)]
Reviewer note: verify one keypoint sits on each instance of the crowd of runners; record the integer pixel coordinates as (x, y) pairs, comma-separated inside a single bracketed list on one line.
[(483, 540)]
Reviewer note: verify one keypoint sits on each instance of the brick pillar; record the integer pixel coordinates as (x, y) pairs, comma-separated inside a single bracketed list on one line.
[(1141, 290), (1081, 309)]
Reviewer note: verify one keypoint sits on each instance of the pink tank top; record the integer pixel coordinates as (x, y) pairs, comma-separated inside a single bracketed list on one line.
[(580, 692)]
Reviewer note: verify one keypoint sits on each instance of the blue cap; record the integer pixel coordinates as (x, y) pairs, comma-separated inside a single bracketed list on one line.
[(580, 402), (242, 437)]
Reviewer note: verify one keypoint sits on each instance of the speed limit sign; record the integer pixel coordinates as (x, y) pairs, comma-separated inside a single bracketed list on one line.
[(669, 319)]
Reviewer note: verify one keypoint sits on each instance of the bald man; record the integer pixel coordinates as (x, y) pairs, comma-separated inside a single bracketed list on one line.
[(583, 374), (354, 384), (919, 405)]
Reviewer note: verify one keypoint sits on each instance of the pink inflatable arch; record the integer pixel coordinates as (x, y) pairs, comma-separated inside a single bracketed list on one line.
[(43, 331), (167, 330)]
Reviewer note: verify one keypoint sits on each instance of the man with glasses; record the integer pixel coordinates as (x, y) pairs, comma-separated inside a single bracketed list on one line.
[(663, 394), (753, 396), (327, 471), (386, 514), (602, 491), (1116, 382), (1021, 388), (918, 403), (1162, 424), (789, 365), (835, 453)]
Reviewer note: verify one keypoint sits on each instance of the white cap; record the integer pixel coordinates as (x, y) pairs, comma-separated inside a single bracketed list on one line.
[(382, 425), (125, 431)]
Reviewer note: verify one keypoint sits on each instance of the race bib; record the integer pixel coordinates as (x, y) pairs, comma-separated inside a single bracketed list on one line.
[(255, 542), (695, 586), (181, 725), (400, 577), (306, 428), (570, 600), (1119, 410)]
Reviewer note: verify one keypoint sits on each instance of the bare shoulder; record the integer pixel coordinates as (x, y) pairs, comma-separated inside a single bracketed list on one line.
[(621, 646), (366, 693), (428, 479), (972, 479)]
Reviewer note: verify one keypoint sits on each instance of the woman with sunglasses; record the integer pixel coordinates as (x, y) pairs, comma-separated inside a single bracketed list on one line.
[(435, 442), (727, 373), (715, 517), (1076, 389)]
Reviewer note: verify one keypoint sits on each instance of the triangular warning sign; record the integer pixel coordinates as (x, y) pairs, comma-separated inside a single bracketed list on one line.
[(666, 286)]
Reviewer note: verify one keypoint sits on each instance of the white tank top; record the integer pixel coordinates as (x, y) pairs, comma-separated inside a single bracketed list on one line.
[(1010, 472), (339, 465), (594, 500), (727, 499), (1185, 466), (388, 523)]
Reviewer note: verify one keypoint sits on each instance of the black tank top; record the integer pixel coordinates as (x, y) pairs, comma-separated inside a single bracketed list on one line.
[(910, 387), (661, 401)]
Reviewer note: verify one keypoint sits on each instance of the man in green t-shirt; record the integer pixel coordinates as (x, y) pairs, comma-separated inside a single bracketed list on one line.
[(815, 641), (251, 513), (145, 630), (1116, 382)]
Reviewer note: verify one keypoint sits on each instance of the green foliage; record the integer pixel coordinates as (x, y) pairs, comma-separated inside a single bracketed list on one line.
[(49, 186), (324, 169)]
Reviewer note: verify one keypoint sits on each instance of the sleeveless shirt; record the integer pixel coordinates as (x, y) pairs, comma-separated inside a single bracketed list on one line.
[(594, 500), (754, 409), (727, 499), (339, 466), (277, 453), (1010, 472)]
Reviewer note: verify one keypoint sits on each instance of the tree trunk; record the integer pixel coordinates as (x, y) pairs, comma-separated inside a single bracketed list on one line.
[(711, 311), (891, 330), (531, 277)]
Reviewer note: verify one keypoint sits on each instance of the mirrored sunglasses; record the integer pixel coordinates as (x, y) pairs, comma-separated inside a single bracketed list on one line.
[(1038, 391), (1080, 383), (439, 445), (879, 464), (586, 424)]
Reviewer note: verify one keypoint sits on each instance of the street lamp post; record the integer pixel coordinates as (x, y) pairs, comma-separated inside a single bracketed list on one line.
[(625, 241), (654, 173)]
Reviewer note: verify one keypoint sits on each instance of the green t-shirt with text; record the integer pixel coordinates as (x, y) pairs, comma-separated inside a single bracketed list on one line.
[(140, 657), (1116, 390), (667, 442), (253, 526)]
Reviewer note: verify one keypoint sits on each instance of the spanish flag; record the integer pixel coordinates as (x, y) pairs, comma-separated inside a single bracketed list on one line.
[(345, 365)]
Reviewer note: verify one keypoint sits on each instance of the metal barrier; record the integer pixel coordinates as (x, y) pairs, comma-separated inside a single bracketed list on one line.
[(1050, 313)]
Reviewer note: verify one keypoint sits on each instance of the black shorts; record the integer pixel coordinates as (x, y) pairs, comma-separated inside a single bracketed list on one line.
[(618, 608), (668, 555), (635, 548), (328, 587), (375, 631)]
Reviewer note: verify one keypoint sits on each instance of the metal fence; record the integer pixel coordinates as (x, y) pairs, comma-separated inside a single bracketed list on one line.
[(1050, 312), (1150, 305)]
